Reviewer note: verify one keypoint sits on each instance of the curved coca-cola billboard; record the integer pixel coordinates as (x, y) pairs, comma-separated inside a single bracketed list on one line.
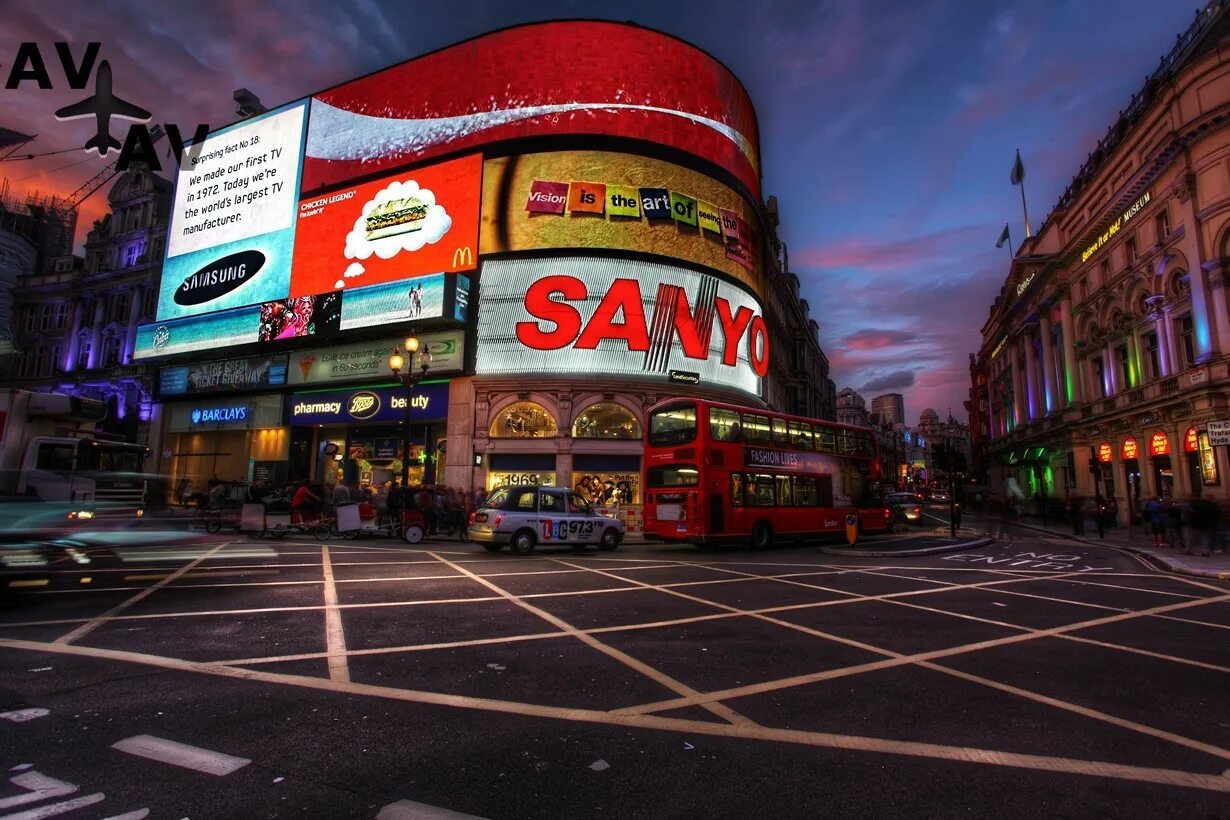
[(548, 79)]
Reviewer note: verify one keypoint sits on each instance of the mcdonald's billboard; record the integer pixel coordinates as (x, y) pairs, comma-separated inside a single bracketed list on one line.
[(400, 226)]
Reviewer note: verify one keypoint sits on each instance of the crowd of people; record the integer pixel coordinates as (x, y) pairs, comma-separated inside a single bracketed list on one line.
[(1195, 523), (444, 509)]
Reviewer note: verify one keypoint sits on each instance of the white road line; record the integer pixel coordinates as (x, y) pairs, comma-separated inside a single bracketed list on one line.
[(89, 626), (335, 634), (410, 810), (39, 787), (139, 814), (181, 754), (56, 808), (22, 715)]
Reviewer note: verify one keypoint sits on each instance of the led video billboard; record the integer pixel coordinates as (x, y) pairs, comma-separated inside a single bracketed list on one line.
[(545, 79), (583, 316), (232, 224), (403, 225), (542, 201)]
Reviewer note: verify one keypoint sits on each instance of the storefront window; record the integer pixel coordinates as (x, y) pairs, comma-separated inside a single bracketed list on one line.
[(525, 419), (606, 420), (608, 489), (508, 479)]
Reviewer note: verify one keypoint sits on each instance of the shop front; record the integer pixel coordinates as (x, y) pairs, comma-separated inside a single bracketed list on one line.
[(1159, 461), (358, 435), (237, 439)]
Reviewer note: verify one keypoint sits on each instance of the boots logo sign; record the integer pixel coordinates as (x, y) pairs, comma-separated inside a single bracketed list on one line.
[(364, 405), (29, 67)]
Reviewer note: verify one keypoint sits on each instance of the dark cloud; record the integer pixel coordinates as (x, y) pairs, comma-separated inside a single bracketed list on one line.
[(872, 339), (890, 381)]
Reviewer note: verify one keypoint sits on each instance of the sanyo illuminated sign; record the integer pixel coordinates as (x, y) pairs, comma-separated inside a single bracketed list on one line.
[(1115, 226)]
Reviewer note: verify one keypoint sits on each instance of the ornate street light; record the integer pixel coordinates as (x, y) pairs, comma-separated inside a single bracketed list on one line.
[(420, 362)]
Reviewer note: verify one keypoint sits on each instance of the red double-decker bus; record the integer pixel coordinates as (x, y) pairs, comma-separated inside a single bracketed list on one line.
[(719, 473)]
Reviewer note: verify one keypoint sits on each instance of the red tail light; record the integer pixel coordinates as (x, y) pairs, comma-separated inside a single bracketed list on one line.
[(498, 519), (472, 517)]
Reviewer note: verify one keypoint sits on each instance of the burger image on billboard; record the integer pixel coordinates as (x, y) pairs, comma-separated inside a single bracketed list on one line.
[(395, 217)]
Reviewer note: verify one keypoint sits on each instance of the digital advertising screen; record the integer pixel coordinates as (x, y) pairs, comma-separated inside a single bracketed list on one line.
[(544, 79), (601, 199), (226, 374), (232, 224), (401, 226), (590, 316), (323, 315)]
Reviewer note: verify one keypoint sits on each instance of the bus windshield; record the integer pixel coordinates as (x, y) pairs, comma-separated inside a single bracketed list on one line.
[(673, 425)]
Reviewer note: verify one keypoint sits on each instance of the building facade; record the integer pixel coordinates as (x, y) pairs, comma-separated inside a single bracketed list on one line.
[(852, 408), (1105, 354), (75, 319), (566, 273), (891, 407)]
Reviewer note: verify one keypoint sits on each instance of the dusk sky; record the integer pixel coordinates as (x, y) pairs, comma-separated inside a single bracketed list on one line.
[(887, 129)]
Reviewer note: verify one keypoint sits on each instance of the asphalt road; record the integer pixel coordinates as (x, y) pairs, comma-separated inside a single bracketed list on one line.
[(1026, 678)]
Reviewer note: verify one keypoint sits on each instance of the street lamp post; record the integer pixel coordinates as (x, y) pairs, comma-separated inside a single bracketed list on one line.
[(416, 369)]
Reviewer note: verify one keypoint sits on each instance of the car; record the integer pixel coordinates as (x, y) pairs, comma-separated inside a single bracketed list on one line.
[(524, 516), (904, 506), (940, 497)]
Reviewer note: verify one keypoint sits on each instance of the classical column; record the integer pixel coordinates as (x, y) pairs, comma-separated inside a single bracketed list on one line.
[(1052, 402), (1161, 326), (130, 335), (1110, 374), (1034, 404), (1019, 401), (1073, 393), (1178, 462), (1217, 295), (74, 340), (100, 306)]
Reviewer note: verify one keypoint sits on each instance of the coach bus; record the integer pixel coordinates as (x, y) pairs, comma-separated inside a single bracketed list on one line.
[(719, 473)]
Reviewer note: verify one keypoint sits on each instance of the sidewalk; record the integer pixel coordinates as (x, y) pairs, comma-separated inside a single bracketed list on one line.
[(1136, 539)]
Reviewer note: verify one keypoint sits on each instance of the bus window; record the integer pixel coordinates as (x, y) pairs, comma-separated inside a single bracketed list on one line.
[(736, 489), (784, 497), (804, 491), (845, 441), (723, 424), (673, 425), (826, 440), (760, 491), (678, 475), (824, 491), (865, 447), (800, 436), (756, 429), (780, 439)]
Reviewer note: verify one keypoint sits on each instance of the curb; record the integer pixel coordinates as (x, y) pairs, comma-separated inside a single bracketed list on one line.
[(981, 542), (1158, 561)]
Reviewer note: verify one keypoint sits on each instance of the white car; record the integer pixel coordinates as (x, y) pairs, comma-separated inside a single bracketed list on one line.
[(525, 516)]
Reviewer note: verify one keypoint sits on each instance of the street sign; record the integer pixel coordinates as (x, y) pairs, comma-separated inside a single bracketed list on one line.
[(1219, 433)]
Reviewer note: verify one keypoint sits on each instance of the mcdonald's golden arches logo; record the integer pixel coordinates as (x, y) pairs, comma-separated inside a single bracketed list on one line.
[(463, 258)]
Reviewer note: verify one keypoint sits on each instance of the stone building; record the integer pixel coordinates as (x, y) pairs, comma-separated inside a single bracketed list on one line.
[(1105, 355)]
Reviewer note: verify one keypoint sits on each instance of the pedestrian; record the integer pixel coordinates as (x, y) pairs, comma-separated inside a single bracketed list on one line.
[(306, 504), (380, 502), (341, 494), (1076, 512), (480, 496), (395, 504), (1204, 516), (1174, 523), (1155, 517), (427, 504)]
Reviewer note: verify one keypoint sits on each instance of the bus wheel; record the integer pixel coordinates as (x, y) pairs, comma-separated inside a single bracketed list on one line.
[(523, 542), (762, 537), (610, 539)]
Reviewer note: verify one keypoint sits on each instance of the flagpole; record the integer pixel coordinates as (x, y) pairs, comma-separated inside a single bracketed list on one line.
[(1011, 253), (1024, 207)]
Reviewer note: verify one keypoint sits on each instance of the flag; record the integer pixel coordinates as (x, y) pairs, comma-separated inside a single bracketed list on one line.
[(1003, 237), (1018, 169)]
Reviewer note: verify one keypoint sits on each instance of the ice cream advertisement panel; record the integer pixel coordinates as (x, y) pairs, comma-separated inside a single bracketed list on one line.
[(397, 227)]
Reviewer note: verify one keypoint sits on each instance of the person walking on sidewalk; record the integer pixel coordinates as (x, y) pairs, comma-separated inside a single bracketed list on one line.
[(1076, 512), (1175, 521), (1203, 516), (1155, 517)]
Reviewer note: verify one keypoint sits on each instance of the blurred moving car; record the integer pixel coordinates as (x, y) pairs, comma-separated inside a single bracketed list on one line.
[(905, 507), (524, 516), (940, 497)]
